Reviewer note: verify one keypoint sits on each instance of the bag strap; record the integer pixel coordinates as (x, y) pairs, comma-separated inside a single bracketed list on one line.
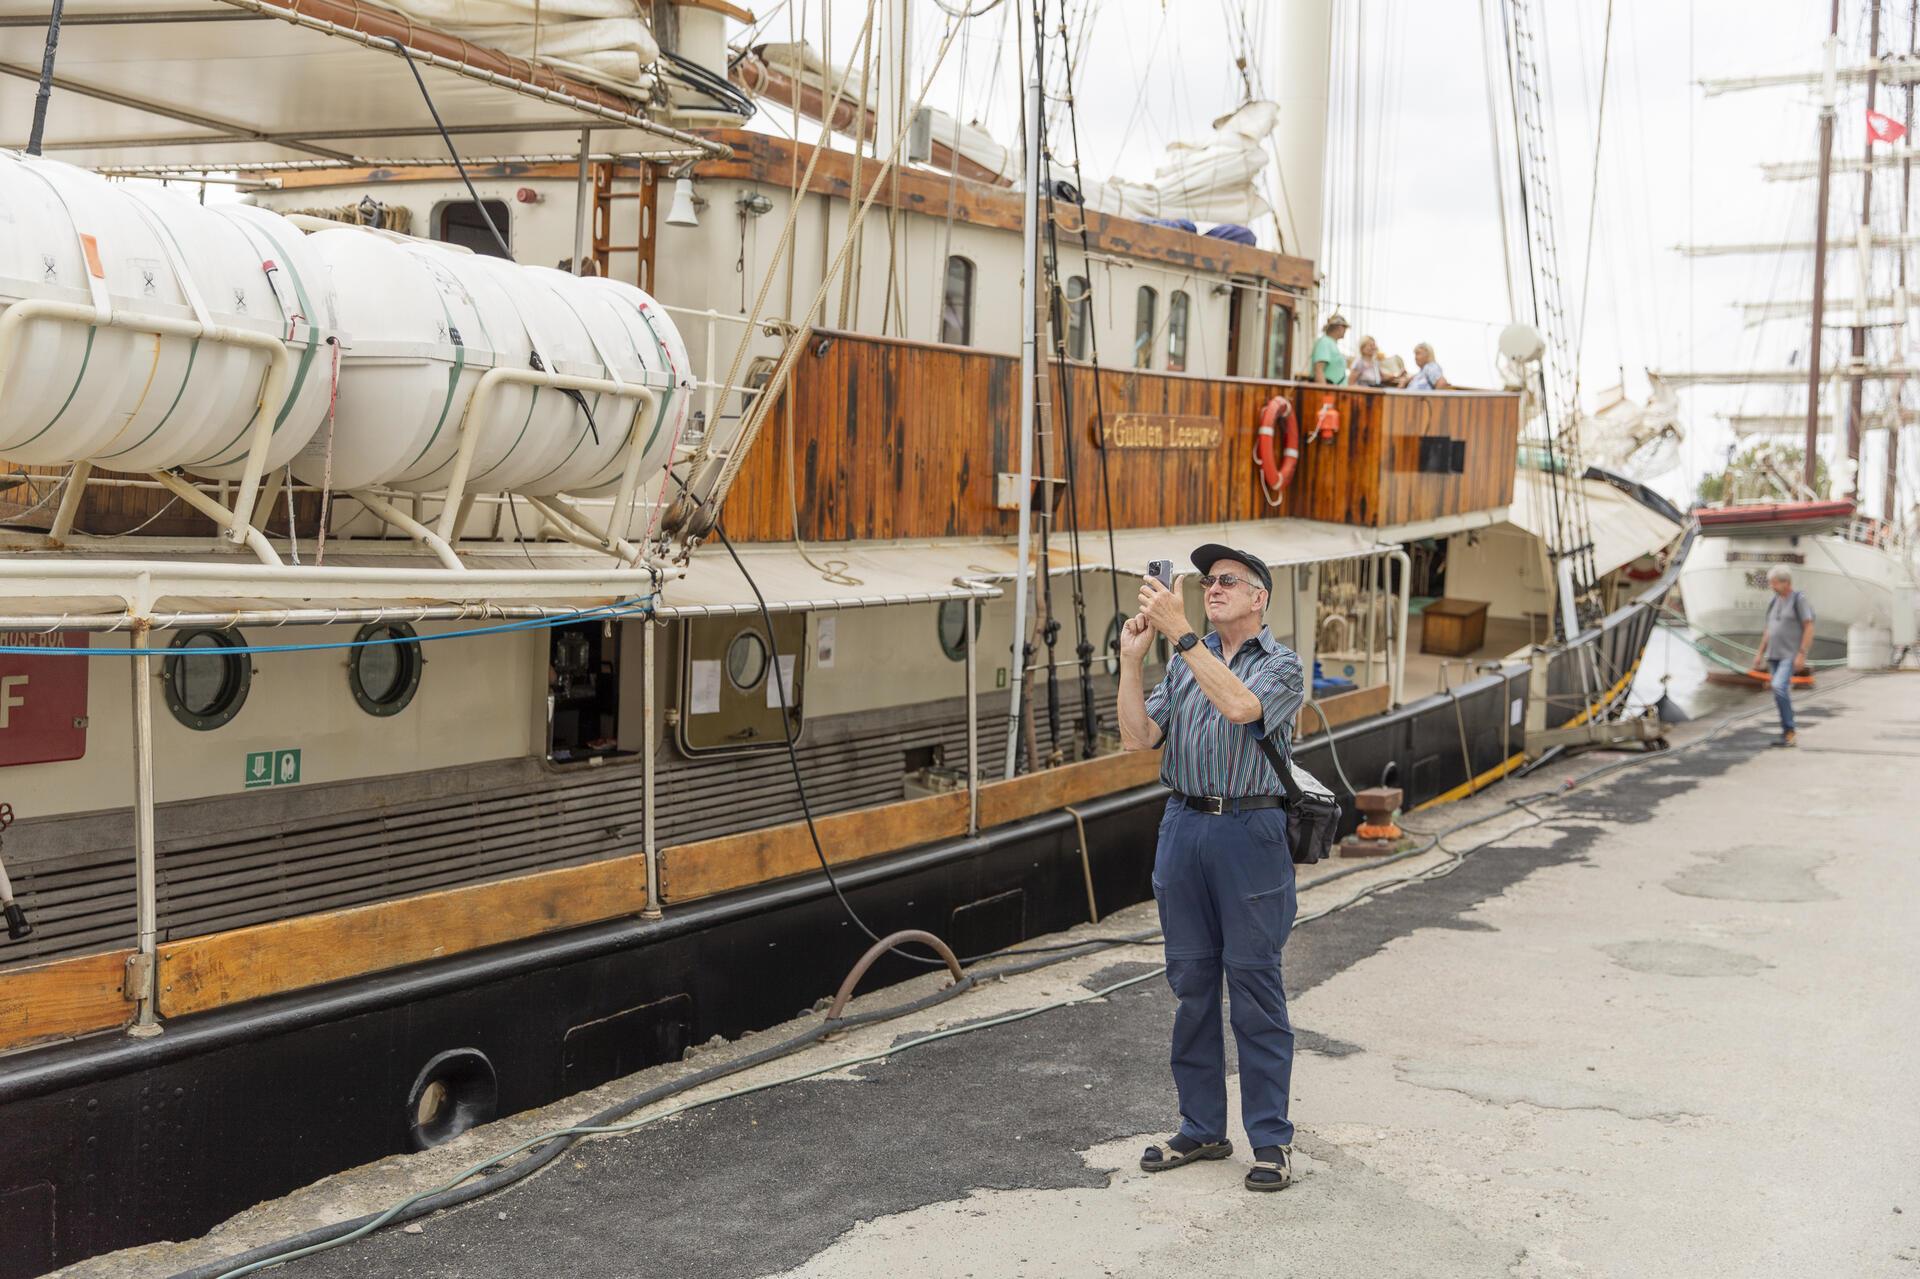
[(1282, 761)]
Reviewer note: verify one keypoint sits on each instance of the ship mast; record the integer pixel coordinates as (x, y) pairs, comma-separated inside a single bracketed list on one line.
[(1859, 350), (1889, 507), (1029, 293), (1827, 93)]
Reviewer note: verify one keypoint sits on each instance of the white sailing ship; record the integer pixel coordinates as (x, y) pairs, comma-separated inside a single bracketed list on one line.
[(1857, 569)]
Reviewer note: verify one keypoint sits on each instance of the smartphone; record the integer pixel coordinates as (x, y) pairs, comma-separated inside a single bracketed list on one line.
[(1161, 571)]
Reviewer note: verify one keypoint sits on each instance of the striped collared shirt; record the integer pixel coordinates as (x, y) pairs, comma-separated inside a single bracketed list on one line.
[(1205, 752)]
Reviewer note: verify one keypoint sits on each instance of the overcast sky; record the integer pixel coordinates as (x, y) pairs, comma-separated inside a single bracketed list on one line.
[(1674, 165)]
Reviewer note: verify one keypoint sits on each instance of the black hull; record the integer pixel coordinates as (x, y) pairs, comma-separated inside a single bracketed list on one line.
[(113, 1142)]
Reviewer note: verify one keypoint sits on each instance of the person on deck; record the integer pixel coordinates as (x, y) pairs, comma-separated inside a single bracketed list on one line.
[(1328, 361), (1222, 873), (1785, 641), (1430, 377), (1370, 368)]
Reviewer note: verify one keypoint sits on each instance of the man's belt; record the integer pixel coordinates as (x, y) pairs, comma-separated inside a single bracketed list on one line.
[(1217, 804)]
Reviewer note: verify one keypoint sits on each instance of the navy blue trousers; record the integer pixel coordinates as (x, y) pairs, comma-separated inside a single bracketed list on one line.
[(1227, 900)]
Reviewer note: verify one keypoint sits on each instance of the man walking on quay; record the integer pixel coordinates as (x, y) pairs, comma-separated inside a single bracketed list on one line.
[(1223, 874), (1785, 641)]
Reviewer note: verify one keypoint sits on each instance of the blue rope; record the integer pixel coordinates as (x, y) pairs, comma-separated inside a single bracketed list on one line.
[(638, 606)]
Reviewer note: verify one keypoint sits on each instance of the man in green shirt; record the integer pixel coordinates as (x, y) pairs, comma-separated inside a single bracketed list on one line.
[(1329, 365)]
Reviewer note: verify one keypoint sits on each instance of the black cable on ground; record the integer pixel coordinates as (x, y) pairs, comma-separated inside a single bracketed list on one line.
[(542, 1155), (335, 1234)]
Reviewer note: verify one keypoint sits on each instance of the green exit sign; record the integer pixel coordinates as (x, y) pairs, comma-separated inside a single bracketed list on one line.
[(272, 768)]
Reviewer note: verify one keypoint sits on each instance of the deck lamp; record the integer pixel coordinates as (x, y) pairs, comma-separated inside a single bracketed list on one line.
[(682, 212)]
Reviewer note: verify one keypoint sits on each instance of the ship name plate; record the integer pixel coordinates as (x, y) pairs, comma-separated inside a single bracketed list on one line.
[(1163, 431)]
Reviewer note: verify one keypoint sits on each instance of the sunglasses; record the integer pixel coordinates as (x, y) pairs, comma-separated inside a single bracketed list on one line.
[(1229, 580)]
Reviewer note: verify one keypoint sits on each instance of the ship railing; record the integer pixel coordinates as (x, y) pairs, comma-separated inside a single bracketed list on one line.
[(1865, 530), (718, 401)]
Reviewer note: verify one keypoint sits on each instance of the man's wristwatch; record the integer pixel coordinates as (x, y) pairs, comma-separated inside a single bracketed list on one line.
[(1186, 642)]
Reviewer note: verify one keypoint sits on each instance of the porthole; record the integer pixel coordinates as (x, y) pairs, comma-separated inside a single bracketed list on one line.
[(205, 684), (747, 660), (952, 625), (384, 676)]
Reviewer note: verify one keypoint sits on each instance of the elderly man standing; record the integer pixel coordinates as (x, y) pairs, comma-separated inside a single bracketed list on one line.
[(1222, 874), (1785, 641), (1329, 363)]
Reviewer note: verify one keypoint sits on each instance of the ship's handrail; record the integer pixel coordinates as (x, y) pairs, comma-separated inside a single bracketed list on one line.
[(1866, 530)]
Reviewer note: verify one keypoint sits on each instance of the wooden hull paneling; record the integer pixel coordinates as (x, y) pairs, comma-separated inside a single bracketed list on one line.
[(903, 440)]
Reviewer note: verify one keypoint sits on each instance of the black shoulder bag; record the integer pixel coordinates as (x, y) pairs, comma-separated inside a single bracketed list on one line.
[(1313, 814)]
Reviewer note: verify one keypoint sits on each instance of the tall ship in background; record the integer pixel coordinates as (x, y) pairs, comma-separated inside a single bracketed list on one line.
[(460, 598), (1821, 481)]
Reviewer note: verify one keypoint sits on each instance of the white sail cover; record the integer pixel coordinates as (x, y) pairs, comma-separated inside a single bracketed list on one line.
[(802, 62), (603, 41), (1210, 181), (1215, 180)]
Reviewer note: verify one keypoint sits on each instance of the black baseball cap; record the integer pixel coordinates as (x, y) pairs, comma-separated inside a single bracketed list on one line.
[(1204, 558)]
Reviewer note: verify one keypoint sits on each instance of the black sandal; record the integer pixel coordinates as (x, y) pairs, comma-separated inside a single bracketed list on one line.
[(1161, 1155), (1282, 1167)]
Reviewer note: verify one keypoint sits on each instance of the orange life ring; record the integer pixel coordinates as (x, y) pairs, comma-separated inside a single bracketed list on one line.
[(1276, 474)]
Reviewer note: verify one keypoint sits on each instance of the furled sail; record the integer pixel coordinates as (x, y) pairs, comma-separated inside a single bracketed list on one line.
[(985, 160), (603, 41), (1210, 181)]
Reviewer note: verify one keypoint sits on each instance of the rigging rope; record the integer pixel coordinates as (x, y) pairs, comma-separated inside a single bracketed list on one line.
[(1593, 198), (780, 249), (756, 416), (1092, 330)]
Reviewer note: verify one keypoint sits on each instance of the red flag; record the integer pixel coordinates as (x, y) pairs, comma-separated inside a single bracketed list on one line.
[(1883, 128)]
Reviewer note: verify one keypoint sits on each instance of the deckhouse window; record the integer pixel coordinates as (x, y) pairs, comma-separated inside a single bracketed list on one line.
[(461, 223), (1079, 315), (956, 304), (1279, 361), (1145, 311), (1178, 305)]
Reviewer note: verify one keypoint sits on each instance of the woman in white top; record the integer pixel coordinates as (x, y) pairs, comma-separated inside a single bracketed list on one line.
[(1370, 368)]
